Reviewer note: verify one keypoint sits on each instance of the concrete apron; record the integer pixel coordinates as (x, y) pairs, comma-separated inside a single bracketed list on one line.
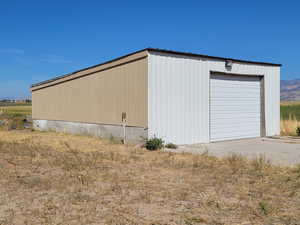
[(279, 151)]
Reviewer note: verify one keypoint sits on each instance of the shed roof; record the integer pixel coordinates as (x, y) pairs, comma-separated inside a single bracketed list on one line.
[(70, 75)]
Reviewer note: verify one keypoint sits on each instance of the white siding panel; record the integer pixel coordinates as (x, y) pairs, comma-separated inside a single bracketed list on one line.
[(178, 96), (176, 101)]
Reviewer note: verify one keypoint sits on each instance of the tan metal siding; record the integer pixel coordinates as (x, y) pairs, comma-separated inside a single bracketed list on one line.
[(94, 69), (100, 97)]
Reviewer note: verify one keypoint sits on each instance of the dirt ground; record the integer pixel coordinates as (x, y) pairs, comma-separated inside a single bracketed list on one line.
[(49, 178)]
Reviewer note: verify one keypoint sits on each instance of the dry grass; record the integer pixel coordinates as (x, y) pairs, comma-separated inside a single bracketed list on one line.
[(290, 103), (290, 112), (16, 110), (289, 126), (48, 178)]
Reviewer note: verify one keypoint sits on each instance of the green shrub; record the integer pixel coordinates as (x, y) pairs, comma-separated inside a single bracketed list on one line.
[(298, 131), (171, 145), (154, 144)]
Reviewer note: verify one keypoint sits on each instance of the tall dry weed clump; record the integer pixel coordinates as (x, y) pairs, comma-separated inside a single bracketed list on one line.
[(289, 126)]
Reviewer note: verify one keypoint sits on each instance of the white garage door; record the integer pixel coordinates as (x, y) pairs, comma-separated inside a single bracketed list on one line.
[(235, 107)]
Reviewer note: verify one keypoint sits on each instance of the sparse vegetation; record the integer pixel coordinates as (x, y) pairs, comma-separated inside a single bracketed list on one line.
[(264, 207), (171, 145), (51, 178), (13, 116), (289, 126), (290, 118)]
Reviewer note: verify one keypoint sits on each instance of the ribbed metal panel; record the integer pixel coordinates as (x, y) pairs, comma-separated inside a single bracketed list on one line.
[(178, 96), (235, 107), (177, 101)]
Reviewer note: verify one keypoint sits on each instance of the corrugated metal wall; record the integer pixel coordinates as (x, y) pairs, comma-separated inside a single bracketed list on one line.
[(100, 97), (178, 96)]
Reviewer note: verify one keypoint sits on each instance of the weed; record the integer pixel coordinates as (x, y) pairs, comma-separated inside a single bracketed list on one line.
[(264, 207), (297, 170), (260, 163), (154, 144), (289, 126), (236, 162), (171, 145), (194, 220)]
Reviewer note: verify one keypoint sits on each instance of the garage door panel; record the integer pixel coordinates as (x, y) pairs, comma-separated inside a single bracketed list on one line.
[(220, 84), (250, 107), (240, 97), (228, 115), (236, 94), (239, 118), (240, 102), (232, 121), (236, 134), (234, 127), (234, 107), (233, 78), (231, 85), (237, 89), (234, 101), (230, 108)]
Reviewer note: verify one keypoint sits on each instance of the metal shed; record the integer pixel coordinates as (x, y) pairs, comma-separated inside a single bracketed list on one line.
[(184, 98)]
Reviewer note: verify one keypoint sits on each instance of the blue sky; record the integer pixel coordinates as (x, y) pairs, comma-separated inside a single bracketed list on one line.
[(43, 39)]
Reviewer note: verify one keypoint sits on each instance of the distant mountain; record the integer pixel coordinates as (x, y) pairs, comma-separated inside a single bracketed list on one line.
[(13, 98), (6, 98), (290, 90)]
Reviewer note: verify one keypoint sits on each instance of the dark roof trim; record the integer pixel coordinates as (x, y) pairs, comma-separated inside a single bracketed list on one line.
[(156, 50), (210, 57)]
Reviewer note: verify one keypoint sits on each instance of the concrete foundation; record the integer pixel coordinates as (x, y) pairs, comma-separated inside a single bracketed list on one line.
[(133, 134)]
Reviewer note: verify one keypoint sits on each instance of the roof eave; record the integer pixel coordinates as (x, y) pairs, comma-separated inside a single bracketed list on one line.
[(35, 86)]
